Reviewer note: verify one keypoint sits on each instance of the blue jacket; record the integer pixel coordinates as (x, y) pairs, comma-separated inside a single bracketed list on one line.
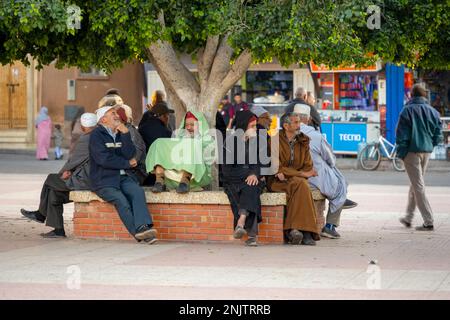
[(419, 128), (107, 157)]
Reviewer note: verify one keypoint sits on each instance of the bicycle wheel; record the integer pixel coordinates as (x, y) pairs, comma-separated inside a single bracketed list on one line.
[(370, 157), (398, 163)]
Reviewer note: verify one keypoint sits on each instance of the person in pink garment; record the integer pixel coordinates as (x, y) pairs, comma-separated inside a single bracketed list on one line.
[(44, 133)]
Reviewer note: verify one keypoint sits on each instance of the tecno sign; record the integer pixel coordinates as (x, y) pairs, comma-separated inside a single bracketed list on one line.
[(349, 137)]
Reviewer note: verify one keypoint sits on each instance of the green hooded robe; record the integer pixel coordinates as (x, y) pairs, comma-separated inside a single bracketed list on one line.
[(193, 155)]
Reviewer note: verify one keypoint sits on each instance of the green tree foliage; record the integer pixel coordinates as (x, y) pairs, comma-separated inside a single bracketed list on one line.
[(414, 32)]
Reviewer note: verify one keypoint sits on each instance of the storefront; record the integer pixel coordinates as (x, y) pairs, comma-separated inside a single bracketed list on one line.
[(348, 102)]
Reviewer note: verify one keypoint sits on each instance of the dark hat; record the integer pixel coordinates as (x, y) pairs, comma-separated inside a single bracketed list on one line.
[(161, 108)]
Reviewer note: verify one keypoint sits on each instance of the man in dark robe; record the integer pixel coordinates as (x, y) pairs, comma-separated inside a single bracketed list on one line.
[(241, 173)]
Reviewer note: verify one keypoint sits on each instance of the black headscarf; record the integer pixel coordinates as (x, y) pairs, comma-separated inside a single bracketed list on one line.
[(242, 119)]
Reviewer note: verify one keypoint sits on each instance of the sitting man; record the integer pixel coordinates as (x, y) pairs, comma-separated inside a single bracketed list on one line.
[(330, 180), (242, 182), (295, 168), (56, 188), (111, 157), (126, 116), (183, 162)]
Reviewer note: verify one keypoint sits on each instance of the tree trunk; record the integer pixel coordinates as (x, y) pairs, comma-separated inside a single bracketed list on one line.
[(216, 77)]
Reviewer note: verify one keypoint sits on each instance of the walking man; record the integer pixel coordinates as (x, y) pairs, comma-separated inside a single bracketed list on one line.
[(419, 130)]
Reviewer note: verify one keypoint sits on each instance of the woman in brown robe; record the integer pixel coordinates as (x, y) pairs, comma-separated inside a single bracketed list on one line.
[(295, 167)]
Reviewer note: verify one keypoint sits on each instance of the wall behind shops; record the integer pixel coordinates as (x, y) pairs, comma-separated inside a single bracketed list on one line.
[(89, 90)]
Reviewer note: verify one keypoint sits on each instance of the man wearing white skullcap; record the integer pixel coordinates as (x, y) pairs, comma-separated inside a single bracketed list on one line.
[(329, 180), (57, 186), (302, 109)]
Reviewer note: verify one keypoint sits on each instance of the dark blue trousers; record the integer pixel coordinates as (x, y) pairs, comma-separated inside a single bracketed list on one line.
[(130, 203)]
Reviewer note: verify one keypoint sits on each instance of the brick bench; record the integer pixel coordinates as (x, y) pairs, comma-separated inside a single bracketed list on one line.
[(197, 216)]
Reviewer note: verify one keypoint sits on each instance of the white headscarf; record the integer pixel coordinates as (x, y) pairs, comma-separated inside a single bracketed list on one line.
[(42, 116)]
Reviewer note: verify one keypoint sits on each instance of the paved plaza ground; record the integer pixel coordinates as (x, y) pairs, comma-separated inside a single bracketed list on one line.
[(408, 264)]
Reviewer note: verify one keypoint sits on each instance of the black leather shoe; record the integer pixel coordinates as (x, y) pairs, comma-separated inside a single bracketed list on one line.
[(406, 223), (33, 215), (425, 228), (183, 188), (54, 234), (158, 187), (295, 237), (307, 239), (348, 204)]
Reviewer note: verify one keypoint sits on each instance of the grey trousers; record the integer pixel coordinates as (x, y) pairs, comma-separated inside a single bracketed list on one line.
[(416, 165), (334, 217)]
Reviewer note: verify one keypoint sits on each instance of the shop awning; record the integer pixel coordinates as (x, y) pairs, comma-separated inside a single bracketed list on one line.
[(345, 69)]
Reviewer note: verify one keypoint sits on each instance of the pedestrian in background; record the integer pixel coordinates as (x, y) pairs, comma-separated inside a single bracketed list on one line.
[(44, 133), (419, 130), (58, 137)]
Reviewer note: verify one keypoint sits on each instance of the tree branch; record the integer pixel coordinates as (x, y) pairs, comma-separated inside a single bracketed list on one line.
[(240, 66), (221, 64), (206, 57)]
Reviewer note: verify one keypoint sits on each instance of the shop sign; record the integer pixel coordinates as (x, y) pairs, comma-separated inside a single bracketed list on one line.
[(347, 69), (347, 136)]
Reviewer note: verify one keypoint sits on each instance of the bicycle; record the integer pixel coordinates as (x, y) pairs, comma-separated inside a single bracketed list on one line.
[(370, 155)]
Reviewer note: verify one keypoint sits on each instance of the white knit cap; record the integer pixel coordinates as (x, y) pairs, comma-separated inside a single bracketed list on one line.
[(102, 111), (88, 120), (301, 108)]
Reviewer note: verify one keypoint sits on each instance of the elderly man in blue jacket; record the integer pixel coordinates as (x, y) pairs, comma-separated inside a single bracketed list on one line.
[(419, 130), (112, 155)]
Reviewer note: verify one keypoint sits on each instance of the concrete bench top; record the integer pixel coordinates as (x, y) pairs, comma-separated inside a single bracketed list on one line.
[(203, 197)]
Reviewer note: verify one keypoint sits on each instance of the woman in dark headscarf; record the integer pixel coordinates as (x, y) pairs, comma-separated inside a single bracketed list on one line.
[(241, 173)]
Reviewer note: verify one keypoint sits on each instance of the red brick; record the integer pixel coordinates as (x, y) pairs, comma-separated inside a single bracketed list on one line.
[(224, 231), (169, 211), (208, 231), (80, 214), (183, 236), (212, 237), (185, 224), (176, 230), (200, 236), (115, 228), (192, 218), (168, 236), (218, 225), (117, 222), (193, 231), (162, 230), (275, 221), (177, 218), (122, 235)]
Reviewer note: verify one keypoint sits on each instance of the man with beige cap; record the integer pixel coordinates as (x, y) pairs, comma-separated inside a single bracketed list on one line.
[(57, 186), (112, 155)]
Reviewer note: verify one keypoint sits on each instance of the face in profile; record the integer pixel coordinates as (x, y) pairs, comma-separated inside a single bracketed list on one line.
[(294, 126)]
